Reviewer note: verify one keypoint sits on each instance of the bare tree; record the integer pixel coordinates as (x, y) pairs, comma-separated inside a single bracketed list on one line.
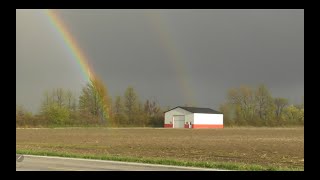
[(130, 104), (280, 104), (69, 99), (118, 110), (243, 101), (264, 102), (60, 97)]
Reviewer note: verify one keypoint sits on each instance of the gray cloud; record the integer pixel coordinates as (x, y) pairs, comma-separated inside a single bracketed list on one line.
[(217, 50)]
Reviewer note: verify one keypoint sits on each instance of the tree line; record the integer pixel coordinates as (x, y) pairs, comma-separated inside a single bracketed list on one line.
[(93, 107), (244, 106)]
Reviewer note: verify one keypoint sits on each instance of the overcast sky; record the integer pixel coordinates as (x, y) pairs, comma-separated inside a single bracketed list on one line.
[(173, 56)]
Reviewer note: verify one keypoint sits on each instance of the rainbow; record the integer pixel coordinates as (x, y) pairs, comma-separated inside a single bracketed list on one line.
[(81, 58), (72, 44), (165, 39), (174, 55)]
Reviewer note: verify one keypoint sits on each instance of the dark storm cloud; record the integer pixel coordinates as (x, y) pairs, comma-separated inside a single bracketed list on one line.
[(219, 49)]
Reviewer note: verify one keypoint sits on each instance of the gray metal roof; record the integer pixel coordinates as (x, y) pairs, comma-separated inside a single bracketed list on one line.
[(198, 110)]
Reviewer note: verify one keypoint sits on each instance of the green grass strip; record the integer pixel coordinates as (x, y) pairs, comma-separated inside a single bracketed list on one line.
[(215, 165)]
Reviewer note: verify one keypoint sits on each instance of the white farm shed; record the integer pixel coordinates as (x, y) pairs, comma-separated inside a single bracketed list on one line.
[(193, 117)]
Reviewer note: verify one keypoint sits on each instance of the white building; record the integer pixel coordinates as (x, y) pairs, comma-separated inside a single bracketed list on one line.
[(193, 117)]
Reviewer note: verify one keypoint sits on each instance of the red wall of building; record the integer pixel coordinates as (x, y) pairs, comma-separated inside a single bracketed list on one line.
[(198, 126), (168, 126)]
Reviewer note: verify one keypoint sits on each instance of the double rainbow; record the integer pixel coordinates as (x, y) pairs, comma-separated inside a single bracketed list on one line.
[(167, 42)]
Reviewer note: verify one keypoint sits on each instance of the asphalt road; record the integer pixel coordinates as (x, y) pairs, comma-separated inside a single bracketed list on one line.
[(46, 163)]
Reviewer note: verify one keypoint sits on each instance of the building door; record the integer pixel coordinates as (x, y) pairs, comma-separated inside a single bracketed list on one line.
[(178, 121)]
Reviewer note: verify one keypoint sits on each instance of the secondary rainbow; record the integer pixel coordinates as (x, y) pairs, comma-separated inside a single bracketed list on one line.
[(160, 27)]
